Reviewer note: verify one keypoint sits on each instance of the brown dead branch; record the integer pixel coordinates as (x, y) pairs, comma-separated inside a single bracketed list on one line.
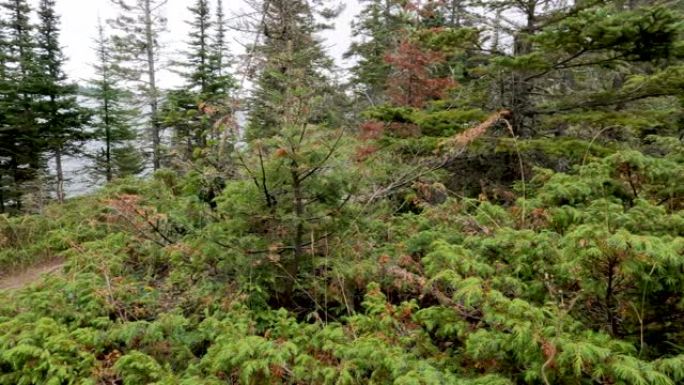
[(452, 148)]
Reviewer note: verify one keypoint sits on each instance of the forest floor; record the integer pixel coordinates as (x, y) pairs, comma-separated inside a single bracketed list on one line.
[(25, 277)]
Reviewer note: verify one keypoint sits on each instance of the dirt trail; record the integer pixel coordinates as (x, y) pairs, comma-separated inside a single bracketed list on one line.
[(23, 278)]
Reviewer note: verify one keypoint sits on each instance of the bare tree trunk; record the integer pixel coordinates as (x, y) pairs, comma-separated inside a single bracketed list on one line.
[(497, 31), (455, 13), (2, 198), (14, 166), (299, 215), (152, 87), (520, 103), (292, 265), (60, 174), (108, 139)]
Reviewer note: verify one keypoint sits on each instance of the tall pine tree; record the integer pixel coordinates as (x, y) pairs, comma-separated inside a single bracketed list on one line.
[(193, 110), (139, 26), (6, 136), (62, 119), (569, 59), (113, 116), (220, 55), (289, 57), (222, 80), (5, 180), (198, 56), (20, 144), (375, 32)]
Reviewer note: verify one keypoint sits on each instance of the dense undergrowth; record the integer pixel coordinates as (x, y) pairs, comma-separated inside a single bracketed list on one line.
[(578, 281), (496, 197)]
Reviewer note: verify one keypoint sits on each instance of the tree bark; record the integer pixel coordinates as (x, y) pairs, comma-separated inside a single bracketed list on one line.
[(520, 100), (152, 87), (108, 136), (60, 174), (2, 198), (299, 215), (610, 289), (455, 13)]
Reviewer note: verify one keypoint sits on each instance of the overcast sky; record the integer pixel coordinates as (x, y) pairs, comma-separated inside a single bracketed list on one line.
[(79, 24)]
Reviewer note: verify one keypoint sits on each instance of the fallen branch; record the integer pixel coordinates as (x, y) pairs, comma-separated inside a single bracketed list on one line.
[(455, 147)]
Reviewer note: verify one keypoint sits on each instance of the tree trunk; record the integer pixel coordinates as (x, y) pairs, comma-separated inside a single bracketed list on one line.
[(520, 100), (152, 91), (455, 13), (497, 32), (610, 289), (60, 174), (2, 197), (108, 138), (299, 215), (292, 264), (14, 166)]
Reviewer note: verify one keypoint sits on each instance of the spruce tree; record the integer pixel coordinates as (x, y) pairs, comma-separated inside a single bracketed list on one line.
[(5, 133), (113, 116), (224, 83), (182, 108), (139, 26), (456, 13), (375, 32), (193, 110), (21, 146), (220, 53), (290, 56), (181, 113), (62, 118), (577, 58), (198, 56), (589, 73), (222, 80)]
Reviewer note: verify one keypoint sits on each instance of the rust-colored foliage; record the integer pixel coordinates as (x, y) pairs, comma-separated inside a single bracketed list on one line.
[(372, 129), (363, 152), (425, 10), (413, 82), (404, 130), (147, 222), (281, 153), (368, 131), (104, 371), (470, 135)]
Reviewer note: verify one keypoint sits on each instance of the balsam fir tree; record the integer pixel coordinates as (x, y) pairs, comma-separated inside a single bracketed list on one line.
[(290, 51), (62, 118), (588, 56), (224, 83), (375, 32), (182, 108), (139, 27), (21, 147), (6, 136), (293, 154), (181, 113), (456, 13), (199, 72), (220, 54), (589, 73), (113, 116), (193, 110)]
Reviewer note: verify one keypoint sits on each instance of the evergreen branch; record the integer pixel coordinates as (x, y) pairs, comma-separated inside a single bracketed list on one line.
[(325, 159)]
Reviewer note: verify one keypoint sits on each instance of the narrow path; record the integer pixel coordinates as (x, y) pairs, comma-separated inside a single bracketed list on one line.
[(23, 278)]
